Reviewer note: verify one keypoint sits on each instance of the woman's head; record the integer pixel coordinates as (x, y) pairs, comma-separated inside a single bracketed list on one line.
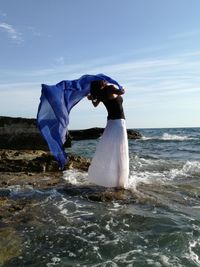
[(95, 88)]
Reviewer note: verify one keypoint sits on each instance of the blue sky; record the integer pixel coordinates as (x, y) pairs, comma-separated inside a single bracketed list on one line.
[(151, 47)]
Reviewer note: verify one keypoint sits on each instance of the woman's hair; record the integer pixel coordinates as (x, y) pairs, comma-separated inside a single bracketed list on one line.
[(95, 89)]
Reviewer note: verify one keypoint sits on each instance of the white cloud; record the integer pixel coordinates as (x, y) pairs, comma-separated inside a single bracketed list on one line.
[(11, 31), (174, 75), (155, 85)]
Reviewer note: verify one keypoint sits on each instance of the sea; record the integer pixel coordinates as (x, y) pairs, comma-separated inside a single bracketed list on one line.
[(154, 222)]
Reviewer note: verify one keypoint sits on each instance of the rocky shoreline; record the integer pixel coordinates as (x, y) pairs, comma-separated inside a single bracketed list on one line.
[(25, 157), (37, 161), (22, 134)]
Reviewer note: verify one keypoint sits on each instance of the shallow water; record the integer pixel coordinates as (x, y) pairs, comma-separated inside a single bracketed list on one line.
[(155, 222)]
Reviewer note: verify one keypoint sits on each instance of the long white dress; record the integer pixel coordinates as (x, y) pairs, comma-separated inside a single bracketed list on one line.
[(110, 164)]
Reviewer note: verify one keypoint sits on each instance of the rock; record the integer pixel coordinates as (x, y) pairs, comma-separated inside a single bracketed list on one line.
[(133, 134), (10, 244), (22, 133), (42, 180), (99, 193), (92, 133), (4, 192), (19, 133), (37, 161), (78, 162)]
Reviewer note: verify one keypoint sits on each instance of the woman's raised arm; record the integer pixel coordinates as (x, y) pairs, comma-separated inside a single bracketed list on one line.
[(112, 90)]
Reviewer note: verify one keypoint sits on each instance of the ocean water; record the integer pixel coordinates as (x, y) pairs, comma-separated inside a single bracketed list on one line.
[(154, 222)]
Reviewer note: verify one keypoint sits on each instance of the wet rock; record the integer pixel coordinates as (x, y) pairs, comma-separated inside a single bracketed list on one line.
[(78, 162), (17, 209), (4, 192), (10, 244), (26, 181), (4, 155), (133, 134), (119, 195), (99, 193), (37, 161)]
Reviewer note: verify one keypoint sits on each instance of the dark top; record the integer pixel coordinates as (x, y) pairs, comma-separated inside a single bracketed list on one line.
[(115, 108)]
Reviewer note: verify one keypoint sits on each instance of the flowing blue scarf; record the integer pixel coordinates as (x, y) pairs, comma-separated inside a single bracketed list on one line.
[(56, 102)]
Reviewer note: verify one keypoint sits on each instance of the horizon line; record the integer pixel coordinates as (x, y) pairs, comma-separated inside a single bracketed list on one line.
[(139, 128)]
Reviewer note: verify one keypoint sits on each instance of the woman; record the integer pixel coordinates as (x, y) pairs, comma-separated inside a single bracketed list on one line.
[(110, 164)]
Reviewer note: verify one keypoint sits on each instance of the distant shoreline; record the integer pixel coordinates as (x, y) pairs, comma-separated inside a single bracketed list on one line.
[(82, 129), (23, 133)]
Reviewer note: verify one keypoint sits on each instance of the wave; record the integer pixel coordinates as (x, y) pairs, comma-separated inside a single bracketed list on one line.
[(167, 136), (144, 171), (190, 168), (161, 171), (75, 177), (170, 137)]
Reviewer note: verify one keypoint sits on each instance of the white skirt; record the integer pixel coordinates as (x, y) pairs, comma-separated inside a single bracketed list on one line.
[(110, 164)]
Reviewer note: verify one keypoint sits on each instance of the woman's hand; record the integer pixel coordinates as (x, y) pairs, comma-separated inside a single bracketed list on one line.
[(95, 102), (122, 91), (89, 97)]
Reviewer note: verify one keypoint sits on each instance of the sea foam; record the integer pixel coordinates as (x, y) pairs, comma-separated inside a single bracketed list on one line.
[(169, 137), (75, 177), (190, 168)]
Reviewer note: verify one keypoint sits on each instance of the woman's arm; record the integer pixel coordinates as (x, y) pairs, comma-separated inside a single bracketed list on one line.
[(95, 102)]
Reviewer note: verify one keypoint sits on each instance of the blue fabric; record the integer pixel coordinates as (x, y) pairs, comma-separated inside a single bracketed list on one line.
[(55, 105)]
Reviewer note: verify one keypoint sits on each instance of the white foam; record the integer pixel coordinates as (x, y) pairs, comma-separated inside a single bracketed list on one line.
[(165, 260), (169, 137), (75, 177), (148, 138), (151, 170), (54, 261), (189, 169), (191, 255), (192, 167), (144, 177), (148, 171), (144, 171)]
